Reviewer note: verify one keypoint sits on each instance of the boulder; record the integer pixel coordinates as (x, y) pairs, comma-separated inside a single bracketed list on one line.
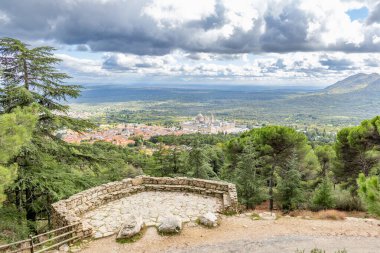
[(209, 220), (64, 248), (170, 225), (131, 227)]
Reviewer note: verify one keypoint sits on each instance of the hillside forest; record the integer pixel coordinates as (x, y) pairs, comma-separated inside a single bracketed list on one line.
[(274, 164)]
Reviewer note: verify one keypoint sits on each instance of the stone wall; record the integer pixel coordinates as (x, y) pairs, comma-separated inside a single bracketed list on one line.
[(69, 211)]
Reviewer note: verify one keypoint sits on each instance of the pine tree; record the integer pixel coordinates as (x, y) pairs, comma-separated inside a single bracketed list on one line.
[(199, 163), (369, 192), (15, 131), (250, 180), (29, 76), (289, 187), (323, 196)]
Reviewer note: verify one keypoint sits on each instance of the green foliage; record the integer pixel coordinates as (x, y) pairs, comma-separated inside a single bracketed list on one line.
[(276, 147), (188, 139), (358, 151), (369, 192), (323, 196), (249, 178), (29, 77), (15, 131), (11, 229), (199, 163), (289, 188), (326, 158), (345, 200)]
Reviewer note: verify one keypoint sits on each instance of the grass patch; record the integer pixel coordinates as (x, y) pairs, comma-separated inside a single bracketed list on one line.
[(168, 233), (330, 215), (134, 238), (229, 212), (321, 215), (255, 216)]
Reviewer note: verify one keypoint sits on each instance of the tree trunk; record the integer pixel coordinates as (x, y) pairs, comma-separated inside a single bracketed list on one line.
[(18, 200), (31, 215), (26, 79), (271, 193)]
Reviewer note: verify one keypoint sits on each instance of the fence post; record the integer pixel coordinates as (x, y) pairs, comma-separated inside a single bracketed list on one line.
[(31, 244)]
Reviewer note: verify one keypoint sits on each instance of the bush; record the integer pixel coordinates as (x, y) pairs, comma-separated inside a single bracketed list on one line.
[(345, 201), (323, 197), (12, 226)]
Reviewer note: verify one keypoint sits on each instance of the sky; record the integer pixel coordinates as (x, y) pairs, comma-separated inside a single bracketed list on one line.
[(258, 42)]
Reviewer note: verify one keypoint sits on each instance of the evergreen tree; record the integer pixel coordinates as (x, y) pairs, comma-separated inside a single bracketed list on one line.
[(323, 196), (326, 157), (369, 192), (277, 145), (28, 76), (358, 151), (199, 163), (250, 180), (289, 187), (15, 131)]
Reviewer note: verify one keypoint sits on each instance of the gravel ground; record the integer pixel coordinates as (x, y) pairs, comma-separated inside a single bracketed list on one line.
[(242, 234)]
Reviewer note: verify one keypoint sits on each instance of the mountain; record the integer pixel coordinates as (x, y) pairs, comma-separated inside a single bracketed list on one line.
[(358, 83)]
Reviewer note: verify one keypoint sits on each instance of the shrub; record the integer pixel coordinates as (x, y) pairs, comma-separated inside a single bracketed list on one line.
[(345, 201), (322, 197), (11, 229)]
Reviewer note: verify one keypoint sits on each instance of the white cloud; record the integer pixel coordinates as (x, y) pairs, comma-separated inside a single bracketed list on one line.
[(3, 18), (173, 13), (273, 68), (80, 65)]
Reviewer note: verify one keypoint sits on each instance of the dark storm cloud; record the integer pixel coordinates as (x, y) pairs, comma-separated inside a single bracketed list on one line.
[(337, 64), (120, 26), (374, 16), (287, 32)]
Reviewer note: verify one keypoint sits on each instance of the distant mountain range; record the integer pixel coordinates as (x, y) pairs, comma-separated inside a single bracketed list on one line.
[(346, 102), (358, 83)]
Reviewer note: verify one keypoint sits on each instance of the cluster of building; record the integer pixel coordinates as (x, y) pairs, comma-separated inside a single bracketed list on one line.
[(126, 134), (122, 134), (210, 125)]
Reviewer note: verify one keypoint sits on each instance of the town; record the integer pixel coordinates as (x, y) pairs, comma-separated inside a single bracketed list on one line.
[(126, 134)]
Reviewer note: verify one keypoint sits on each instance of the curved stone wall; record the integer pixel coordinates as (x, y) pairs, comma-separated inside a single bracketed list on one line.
[(68, 211)]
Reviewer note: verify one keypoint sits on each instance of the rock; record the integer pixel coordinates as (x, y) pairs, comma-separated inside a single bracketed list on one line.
[(131, 227), (64, 248), (267, 216), (75, 249), (170, 225), (209, 220)]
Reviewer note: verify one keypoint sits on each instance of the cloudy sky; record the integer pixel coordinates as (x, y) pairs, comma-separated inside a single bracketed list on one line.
[(286, 42)]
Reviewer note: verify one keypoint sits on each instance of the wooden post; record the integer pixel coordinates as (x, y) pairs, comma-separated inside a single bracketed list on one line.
[(31, 244)]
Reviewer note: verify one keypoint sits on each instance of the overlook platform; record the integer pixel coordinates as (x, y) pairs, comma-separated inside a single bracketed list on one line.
[(107, 220), (101, 210)]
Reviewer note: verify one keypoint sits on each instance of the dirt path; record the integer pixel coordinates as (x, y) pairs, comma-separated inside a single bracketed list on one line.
[(241, 234)]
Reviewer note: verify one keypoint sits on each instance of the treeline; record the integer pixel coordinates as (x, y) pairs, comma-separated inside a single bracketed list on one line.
[(279, 165), (189, 139)]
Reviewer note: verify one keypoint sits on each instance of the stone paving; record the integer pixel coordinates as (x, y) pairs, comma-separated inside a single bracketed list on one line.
[(107, 220)]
